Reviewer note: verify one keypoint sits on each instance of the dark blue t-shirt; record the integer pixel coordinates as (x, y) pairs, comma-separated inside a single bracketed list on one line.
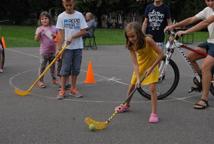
[(157, 20)]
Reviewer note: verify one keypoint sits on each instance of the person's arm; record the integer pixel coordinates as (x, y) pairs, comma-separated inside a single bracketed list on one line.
[(144, 26), (37, 37), (61, 32), (203, 24), (60, 38), (81, 33), (135, 65), (159, 52), (182, 23), (38, 34)]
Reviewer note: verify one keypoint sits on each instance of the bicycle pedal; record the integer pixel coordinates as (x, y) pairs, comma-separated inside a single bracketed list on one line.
[(196, 89)]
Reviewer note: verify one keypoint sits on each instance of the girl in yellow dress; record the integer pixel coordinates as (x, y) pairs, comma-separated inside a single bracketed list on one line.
[(145, 56)]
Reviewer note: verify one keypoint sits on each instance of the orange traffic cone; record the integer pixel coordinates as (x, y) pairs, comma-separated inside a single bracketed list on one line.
[(90, 75), (3, 42)]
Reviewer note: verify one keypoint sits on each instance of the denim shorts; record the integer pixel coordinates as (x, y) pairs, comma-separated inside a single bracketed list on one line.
[(71, 62), (209, 48)]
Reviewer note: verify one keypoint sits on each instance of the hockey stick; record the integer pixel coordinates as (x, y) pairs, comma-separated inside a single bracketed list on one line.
[(100, 125), (28, 91)]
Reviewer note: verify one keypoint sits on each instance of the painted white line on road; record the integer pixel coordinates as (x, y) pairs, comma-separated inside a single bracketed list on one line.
[(23, 53), (110, 79)]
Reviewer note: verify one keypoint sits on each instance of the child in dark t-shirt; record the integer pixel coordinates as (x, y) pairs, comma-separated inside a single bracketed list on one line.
[(157, 17)]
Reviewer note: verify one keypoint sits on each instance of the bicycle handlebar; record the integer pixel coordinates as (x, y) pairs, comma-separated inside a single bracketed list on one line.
[(173, 34)]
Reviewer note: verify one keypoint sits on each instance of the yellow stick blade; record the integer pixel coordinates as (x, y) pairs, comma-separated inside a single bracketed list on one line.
[(21, 92), (98, 125)]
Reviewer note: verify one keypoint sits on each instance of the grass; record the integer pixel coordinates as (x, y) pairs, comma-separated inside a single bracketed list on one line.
[(23, 36), (19, 36)]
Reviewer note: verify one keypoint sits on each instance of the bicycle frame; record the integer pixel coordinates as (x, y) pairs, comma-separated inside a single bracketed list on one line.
[(174, 44)]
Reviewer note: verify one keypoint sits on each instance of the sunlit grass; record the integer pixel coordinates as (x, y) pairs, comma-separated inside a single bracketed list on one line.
[(23, 36)]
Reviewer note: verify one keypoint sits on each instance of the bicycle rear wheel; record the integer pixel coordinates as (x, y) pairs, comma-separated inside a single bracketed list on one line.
[(2, 57), (167, 83)]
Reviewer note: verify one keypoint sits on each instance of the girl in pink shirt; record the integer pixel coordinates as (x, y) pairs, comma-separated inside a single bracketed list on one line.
[(45, 34)]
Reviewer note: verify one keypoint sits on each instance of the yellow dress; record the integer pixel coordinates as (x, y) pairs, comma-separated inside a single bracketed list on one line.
[(145, 58)]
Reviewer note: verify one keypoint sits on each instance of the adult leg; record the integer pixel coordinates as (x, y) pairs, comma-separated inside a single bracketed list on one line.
[(207, 65), (193, 57)]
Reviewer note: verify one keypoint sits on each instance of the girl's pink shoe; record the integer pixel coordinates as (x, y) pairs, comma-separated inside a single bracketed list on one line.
[(153, 118), (122, 108)]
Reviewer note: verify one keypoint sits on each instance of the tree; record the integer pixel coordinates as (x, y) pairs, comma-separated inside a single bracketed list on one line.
[(20, 11)]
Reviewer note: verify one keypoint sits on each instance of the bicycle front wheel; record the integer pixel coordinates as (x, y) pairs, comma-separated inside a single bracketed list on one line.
[(2, 58), (168, 80)]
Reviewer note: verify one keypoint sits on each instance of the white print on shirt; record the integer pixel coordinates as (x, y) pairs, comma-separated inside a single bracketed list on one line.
[(72, 23), (155, 19), (48, 33)]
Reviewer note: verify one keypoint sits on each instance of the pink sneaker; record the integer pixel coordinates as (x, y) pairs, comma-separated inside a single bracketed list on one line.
[(153, 118), (122, 108)]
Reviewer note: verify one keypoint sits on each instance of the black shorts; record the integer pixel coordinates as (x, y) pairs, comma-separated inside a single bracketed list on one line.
[(209, 48)]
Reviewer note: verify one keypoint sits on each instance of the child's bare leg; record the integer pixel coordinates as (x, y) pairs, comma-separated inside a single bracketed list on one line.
[(52, 68), (43, 63), (153, 92), (74, 81), (153, 117), (63, 81)]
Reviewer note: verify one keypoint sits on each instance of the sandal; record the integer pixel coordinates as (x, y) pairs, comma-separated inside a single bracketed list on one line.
[(41, 84), (122, 108), (202, 105)]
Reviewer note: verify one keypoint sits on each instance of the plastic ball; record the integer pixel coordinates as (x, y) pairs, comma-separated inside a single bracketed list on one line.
[(92, 127)]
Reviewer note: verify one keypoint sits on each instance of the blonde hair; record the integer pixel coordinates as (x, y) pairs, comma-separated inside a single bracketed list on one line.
[(136, 28)]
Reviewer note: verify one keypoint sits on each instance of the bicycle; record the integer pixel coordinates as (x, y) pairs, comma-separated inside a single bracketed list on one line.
[(169, 72)]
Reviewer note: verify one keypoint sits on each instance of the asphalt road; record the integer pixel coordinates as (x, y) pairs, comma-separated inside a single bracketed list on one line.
[(41, 119)]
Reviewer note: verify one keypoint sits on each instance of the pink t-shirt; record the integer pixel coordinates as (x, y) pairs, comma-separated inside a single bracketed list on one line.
[(47, 44)]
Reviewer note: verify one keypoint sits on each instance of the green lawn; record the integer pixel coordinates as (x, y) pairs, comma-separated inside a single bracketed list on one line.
[(23, 36)]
